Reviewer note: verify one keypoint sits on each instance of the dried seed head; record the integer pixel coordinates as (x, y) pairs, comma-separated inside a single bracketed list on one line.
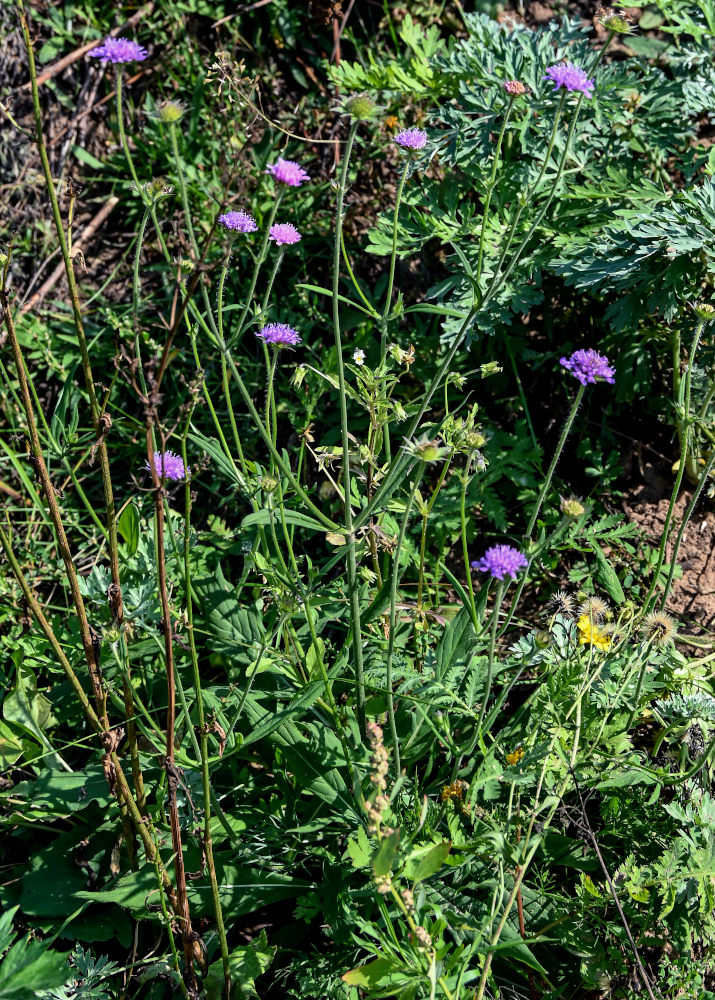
[(594, 608), (659, 628), (561, 602)]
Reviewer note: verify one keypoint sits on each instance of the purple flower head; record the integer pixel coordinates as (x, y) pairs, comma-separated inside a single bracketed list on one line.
[(169, 465), (569, 76), (411, 138), (283, 234), (288, 172), (119, 50), (500, 561), (239, 222), (589, 366), (279, 334)]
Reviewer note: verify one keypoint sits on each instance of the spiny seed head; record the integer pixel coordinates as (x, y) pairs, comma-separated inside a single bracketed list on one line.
[(594, 608), (562, 603), (659, 628)]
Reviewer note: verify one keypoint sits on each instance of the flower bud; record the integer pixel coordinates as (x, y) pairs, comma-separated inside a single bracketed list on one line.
[(704, 310), (572, 507), (616, 21), (515, 88), (542, 639), (361, 107), (170, 112)]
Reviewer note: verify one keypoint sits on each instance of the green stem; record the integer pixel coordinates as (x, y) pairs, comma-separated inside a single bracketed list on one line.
[(123, 137), (136, 287), (354, 594), (681, 468), (501, 588), (423, 538), (681, 531), (465, 553), (393, 617), (256, 270), (542, 496), (393, 255), (490, 188), (639, 688), (203, 732)]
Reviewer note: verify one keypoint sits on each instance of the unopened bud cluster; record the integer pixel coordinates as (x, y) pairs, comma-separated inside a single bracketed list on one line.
[(423, 938), (380, 766)]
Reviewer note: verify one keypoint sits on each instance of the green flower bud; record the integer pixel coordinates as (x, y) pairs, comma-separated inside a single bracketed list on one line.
[(572, 507), (542, 640), (170, 112), (475, 440), (616, 21), (704, 310), (361, 106)]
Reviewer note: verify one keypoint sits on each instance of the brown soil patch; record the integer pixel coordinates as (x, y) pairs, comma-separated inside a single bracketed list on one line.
[(693, 595)]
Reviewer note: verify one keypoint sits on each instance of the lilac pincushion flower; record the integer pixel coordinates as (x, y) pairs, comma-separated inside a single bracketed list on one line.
[(284, 234), (279, 334), (589, 366), (169, 465), (239, 222), (569, 76), (500, 561), (119, 50), (288, 172), (411, 138)]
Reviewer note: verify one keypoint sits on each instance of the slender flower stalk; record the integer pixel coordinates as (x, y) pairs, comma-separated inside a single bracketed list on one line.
[(393, 256), (262, 253), (394, 582), (650, 599), (490, 186), (202, 727), (681, 530), (498, 599), (354, 595), (546, 485), (98, 416), (123, 138)]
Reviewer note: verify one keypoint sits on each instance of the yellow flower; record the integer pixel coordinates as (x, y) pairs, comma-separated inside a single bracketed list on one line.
[(515, 756), (591, 634)]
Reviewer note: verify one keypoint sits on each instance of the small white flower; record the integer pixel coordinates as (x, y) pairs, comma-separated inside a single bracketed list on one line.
[(358, 356)]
